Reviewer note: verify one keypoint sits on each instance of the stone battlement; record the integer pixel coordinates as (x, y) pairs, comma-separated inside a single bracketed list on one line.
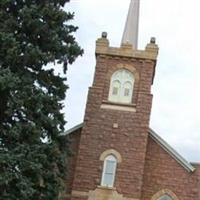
[(126, 50)]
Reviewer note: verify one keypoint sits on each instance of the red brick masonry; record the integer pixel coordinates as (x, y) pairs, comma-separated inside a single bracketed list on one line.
[(161, 171)]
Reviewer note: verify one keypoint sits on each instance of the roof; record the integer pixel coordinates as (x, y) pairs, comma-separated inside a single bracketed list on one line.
[(159, 141), (171, 151), (71, 130)]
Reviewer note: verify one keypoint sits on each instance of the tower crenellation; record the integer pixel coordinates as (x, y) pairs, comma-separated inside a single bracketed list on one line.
[(127, 50)]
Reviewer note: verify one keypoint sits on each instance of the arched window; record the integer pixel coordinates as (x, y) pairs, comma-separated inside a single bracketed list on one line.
[(165, 197), (116, 87), (121, 86), (109, 169), (164, 194)]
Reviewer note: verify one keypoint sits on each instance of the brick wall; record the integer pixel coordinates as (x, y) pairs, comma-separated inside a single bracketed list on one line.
[(74, 139), (164, 172)]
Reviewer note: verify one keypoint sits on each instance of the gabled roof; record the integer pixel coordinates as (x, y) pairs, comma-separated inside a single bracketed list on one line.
[(171, 151), (71, 130), (159, 141)]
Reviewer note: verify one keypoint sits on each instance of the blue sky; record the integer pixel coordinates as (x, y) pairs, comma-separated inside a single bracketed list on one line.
[(175, 24)]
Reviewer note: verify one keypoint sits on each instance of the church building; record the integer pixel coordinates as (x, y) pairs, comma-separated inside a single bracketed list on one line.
[(115, 154)]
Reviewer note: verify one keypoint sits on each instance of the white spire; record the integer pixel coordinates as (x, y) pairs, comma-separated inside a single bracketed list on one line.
[(131, 28)]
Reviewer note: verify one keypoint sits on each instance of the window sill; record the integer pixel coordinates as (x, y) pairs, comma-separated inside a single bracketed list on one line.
[(118, 103), (106, 187), (118, 106)]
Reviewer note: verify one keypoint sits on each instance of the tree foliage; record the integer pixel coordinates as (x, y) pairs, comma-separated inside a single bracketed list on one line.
[(33, 34)]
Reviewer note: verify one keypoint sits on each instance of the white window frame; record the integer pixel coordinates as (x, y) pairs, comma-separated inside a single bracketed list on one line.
[(106, 160), (122, 77)]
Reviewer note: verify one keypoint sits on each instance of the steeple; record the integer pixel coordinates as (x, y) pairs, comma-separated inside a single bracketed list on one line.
[(130, 34)]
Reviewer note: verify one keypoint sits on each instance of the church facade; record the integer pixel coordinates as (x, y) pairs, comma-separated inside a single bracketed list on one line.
[(116, 156)]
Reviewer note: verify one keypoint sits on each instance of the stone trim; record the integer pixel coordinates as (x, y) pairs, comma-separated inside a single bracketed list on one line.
[(163, 192), (113, 152), (129, 67), (118, 107), (76, 193), (102, 48), (99, 193), (102, 193)]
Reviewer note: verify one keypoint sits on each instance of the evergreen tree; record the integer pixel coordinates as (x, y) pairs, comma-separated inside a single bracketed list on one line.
[(33, 34)]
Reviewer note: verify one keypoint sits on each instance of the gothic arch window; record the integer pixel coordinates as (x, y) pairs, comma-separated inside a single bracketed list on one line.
[(121, 86), (109, 170), (164, 194)]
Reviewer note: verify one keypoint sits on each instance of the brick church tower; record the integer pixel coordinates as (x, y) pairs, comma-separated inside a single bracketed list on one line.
[(114, 136), (116, 156)]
